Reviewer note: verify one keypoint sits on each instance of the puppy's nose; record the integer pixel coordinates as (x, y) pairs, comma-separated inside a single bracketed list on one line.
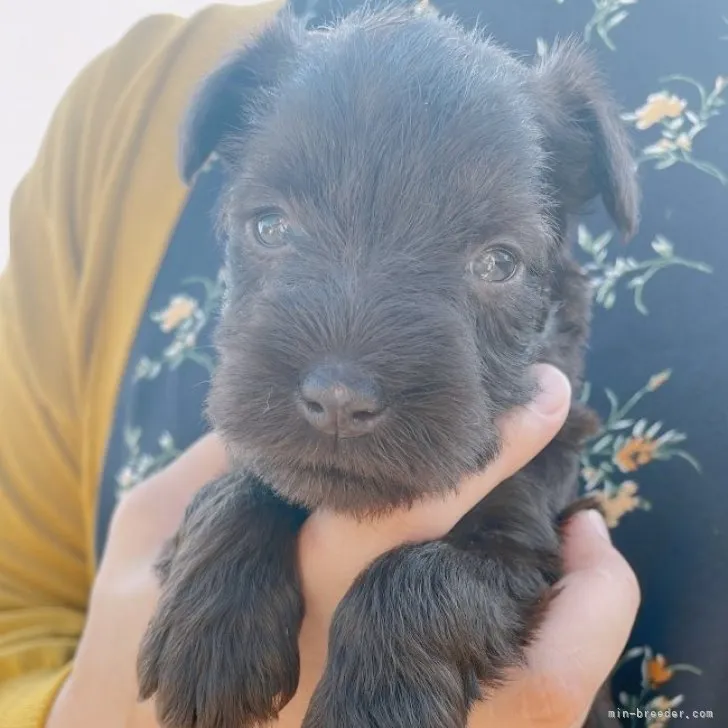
[(338, 399)]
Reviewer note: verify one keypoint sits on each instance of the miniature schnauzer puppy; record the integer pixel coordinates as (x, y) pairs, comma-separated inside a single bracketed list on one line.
[(395, 222)]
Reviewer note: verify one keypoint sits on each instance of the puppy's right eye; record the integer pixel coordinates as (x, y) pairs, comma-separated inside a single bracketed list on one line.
[(496, 265), (272, 230)]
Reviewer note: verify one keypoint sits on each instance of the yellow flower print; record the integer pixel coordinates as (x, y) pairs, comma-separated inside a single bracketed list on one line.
[(659, 710), (617, 504), (659, 106), (657, 671), (183, 319), (180, 308), (635, 452), (679, 124), (623, 445)]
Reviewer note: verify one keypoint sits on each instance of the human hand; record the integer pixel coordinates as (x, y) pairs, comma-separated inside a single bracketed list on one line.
[(102, 688), (333, 550), (582, 638)]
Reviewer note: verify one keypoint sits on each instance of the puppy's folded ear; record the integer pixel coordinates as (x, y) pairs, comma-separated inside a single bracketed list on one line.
[(222, 103), (588, 145)]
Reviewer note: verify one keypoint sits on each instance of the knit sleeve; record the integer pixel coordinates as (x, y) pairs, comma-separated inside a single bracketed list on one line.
[(45, 565)]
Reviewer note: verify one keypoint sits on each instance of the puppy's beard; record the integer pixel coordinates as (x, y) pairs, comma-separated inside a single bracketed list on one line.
[(364, 494)]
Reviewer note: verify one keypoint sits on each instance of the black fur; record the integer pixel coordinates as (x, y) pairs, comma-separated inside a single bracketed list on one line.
[(400, 147)]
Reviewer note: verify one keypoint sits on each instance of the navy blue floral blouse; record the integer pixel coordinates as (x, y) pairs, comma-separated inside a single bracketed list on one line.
[(658, 363)]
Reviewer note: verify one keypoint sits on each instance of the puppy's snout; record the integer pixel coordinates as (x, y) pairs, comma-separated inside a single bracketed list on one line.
[(339, 399)]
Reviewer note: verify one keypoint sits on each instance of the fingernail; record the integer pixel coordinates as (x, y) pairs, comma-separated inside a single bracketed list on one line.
[(599, 524), (554, 390)]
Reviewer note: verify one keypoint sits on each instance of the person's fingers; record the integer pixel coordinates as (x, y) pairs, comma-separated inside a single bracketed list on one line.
[(587, 625), (125, 582), (596, 608)]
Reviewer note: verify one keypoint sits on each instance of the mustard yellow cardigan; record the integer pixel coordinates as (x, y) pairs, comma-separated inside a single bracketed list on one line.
[(89, 226)]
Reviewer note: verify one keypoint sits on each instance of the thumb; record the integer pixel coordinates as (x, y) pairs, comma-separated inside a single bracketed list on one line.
[(589, 621)]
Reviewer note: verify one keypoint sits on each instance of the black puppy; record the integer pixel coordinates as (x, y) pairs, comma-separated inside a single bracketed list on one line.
[(395, 226)]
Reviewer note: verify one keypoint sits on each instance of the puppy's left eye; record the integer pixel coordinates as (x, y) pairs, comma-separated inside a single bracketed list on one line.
[(272, 230), (494, 265)]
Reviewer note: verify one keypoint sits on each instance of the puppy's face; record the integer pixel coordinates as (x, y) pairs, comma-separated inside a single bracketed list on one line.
[(394, 223)]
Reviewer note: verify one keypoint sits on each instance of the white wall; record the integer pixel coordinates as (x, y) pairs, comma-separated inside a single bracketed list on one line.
[(43, 44)]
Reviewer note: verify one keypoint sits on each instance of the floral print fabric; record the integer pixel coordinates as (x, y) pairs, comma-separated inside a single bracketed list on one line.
[(657, 366)]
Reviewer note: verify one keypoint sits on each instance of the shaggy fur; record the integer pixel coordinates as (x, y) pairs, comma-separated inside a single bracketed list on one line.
[(400, 148)]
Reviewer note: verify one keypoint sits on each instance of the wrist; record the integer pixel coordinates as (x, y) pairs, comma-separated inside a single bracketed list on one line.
[(87, 703)]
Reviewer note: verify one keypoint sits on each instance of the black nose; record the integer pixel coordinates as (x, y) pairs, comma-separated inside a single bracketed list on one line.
[(338, 399)]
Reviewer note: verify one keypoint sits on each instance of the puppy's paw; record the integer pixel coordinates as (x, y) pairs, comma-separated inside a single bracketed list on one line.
[(216, 663), (407, 648), (428, 695), (221, 650)]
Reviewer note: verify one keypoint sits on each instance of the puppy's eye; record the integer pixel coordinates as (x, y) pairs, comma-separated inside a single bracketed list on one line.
[(495, 265), (272, 230)]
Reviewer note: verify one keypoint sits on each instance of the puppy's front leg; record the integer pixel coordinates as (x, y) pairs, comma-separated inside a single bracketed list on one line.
[(222, 648), (427, 625)]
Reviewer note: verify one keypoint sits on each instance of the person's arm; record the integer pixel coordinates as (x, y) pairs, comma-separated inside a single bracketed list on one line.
[(44, 576), (46, 340), (584, 633)]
